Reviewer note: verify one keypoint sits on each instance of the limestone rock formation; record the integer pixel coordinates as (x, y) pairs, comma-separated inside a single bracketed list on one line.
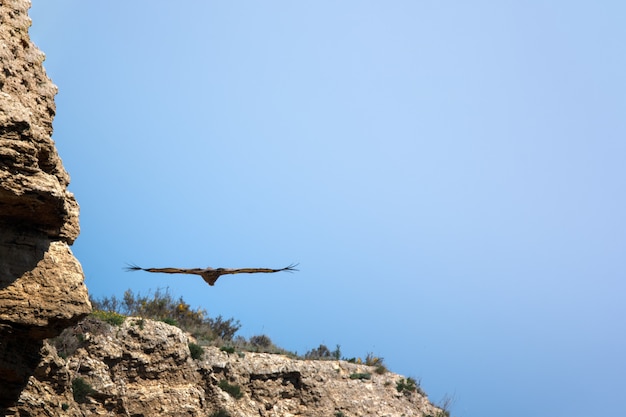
[(143, 368), (41, 283)]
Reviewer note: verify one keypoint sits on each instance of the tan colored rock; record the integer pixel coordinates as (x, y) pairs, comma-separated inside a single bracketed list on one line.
[(33, 182), (48, 294), (141, 368), (145, 368), (275, 385), (41, 282)]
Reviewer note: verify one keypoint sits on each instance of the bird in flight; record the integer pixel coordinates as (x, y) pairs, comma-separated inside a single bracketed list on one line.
[(210, 275)]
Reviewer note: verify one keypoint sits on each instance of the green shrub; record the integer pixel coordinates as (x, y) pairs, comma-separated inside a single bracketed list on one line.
[(365, 375), (110, 317), (170, 321), (376, 361), (337, 352), (196, 351), (227, 349), (65, 406), (224, 329), (81, 389), (233, 390), (371, 360), (407, 385), (323, 353), (381, 369), (261, 341)]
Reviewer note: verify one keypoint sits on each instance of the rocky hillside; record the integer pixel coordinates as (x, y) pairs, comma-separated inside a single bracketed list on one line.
[(143, 367)]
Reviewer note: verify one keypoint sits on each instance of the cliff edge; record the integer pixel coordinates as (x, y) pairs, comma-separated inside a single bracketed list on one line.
[(41, 282), (143, 367)]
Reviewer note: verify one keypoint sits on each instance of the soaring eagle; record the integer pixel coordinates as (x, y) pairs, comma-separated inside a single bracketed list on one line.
[(210, 275)]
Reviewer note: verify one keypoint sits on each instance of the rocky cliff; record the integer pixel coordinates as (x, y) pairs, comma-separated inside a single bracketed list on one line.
[(41, 283), (143, 367)]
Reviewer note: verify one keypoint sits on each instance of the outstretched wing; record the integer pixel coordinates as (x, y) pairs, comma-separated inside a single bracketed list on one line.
[(194, 271), (225, 271), (210, 275)]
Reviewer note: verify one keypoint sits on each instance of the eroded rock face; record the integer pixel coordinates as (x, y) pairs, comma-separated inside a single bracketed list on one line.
[(41, 283), (145, 368)]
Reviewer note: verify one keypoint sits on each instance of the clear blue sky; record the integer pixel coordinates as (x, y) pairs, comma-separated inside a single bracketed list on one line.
[(450, 175)]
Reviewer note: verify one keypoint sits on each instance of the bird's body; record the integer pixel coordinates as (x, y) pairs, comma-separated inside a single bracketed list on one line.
[(210, 275)]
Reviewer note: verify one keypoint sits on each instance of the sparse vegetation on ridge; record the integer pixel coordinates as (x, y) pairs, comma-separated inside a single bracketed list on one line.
[(409, 385), (227, 349), (162, 306), (219, 332), (323, 353), (110, 317)]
